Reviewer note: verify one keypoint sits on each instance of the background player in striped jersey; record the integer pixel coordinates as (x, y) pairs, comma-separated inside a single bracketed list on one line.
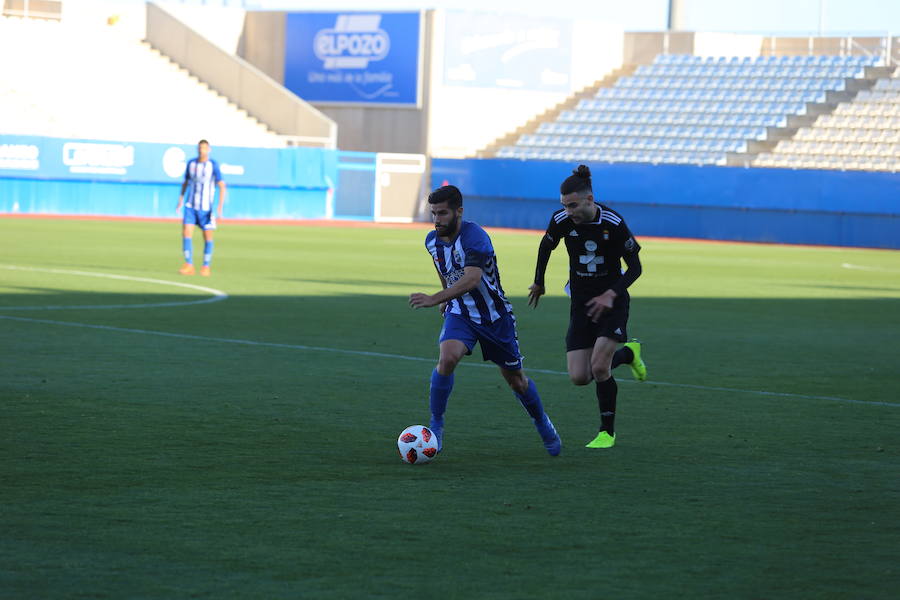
[(198, 194), (475, 311), (597, 238)]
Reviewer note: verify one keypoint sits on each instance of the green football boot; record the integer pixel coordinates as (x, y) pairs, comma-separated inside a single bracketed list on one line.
[(603, 440), (638, 368)]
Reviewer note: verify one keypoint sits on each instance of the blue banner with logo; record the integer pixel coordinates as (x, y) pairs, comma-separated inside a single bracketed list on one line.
[(136, 162), (54, 176), (353, 57)]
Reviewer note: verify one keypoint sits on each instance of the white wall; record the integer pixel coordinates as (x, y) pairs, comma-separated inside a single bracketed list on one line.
[(597, 49), (126, 18), (727, 44), (220, 25)]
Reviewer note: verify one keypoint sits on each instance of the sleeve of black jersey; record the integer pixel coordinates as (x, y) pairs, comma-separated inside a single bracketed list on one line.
[(630, 254), (548, 244)]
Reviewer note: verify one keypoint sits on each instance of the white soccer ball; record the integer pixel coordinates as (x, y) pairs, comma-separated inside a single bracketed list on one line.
[(417, 444)]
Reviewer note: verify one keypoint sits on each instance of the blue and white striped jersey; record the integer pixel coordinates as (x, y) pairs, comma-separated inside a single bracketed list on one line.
[(201, 178), (471, 248)]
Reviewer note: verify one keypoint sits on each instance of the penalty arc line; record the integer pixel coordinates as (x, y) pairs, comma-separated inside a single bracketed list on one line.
[(217, 295), (202, 338)]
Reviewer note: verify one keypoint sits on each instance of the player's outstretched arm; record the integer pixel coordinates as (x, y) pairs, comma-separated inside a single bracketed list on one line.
[(466, 283), (536, 290)]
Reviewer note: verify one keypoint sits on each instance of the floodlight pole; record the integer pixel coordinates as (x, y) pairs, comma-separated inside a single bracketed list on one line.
[(676, 16)]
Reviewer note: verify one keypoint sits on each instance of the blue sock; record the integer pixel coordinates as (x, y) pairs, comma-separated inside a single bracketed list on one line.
[(207, 253), (188, 247), (532, 401), (441, 386)]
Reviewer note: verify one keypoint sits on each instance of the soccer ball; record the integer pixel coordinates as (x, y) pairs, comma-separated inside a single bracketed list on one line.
[(417, 444)]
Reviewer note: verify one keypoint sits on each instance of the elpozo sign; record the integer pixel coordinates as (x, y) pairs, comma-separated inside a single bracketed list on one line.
[(354, 58)]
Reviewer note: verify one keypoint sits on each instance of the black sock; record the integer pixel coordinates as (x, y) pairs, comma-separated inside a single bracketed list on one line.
[(606, 398), (622, 356)]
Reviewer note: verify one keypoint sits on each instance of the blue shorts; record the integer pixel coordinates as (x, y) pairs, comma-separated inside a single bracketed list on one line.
[(498, 340), (205, 219)]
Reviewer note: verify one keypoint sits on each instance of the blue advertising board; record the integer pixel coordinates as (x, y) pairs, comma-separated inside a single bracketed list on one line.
[(816, 206), (352, 57), (93, 160), (54, 176)]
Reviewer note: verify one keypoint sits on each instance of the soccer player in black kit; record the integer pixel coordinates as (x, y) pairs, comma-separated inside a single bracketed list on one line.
[(597, 240)]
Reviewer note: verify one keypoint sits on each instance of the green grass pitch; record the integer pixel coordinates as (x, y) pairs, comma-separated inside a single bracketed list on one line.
[(245, 448)]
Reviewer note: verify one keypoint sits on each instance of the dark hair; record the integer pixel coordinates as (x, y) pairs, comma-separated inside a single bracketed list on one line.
[(449, 194), (203, 142), (579, 181)]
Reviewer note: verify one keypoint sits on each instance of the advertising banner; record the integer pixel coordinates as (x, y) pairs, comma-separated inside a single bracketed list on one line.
[(354, 58), (94, 160)]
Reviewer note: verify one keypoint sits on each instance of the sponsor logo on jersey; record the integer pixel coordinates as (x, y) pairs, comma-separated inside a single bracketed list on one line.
[(590, 258), (454, 276)]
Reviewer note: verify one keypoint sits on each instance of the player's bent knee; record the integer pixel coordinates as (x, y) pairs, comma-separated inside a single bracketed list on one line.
[(518, 384), (446, 366), (601, 374), (580, 378)]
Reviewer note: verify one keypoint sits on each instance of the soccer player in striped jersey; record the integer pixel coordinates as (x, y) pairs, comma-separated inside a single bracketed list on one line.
[(597, 239), (198, 194), (475, 310)]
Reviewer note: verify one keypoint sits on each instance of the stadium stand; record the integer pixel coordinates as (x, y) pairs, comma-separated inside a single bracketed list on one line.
[(693, 110), (95, 83), (860, 134)]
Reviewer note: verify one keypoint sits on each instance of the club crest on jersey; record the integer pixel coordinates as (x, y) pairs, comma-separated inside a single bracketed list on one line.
[(456, 257), (606, 235)]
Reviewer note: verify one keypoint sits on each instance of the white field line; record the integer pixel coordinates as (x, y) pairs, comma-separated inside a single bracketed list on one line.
[(427, 360), (865, 268), (217, 295)]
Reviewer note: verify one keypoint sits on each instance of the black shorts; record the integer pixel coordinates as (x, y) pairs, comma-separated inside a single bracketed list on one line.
[(583, 332)]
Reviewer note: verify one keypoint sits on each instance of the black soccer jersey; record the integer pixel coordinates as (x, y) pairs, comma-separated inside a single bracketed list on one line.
[(595, 249)]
